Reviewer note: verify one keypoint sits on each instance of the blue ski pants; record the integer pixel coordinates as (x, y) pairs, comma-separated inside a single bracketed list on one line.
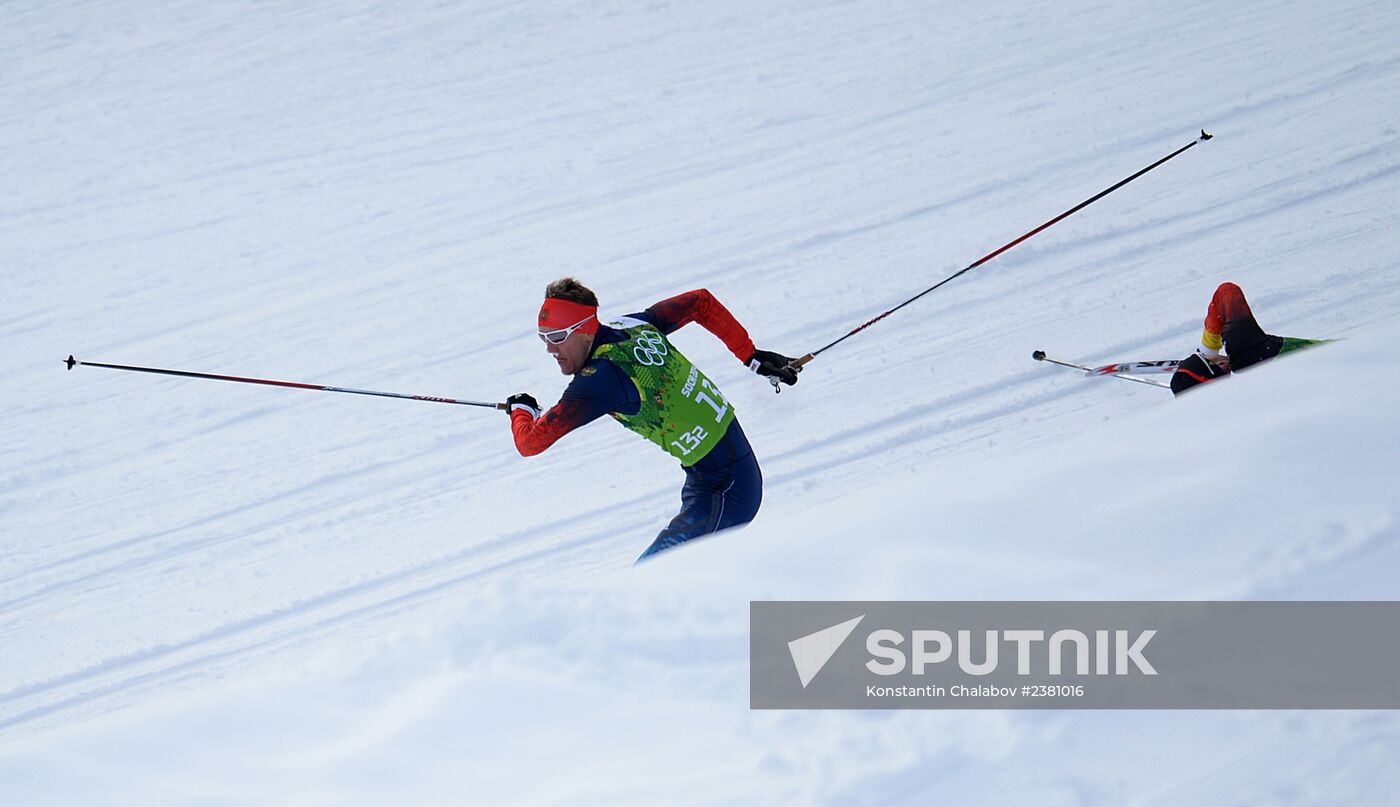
[(722, 490)]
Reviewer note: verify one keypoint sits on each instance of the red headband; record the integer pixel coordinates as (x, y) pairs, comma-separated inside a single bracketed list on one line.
[(556, 314)]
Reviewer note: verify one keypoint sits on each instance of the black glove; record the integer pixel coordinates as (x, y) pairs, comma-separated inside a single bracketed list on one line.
[(522, 400), (773, 365)]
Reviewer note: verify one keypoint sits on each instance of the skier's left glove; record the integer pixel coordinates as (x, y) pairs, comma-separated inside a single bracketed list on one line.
[(773, 365), (523, 401)]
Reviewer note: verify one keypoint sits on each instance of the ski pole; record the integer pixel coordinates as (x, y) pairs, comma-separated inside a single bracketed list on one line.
[(797, 364), (1039, 355), (72, 362)]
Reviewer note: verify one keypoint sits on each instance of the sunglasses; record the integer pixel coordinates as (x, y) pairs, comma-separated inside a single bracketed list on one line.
[(559, 335)]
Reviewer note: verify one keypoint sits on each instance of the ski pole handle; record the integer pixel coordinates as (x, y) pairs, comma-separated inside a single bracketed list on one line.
[(795, 365)]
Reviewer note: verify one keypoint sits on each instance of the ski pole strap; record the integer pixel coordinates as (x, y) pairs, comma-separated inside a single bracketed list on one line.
[(795, 365)]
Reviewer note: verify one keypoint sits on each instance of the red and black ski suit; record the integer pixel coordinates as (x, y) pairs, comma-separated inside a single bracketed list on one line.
[(1229, 324)]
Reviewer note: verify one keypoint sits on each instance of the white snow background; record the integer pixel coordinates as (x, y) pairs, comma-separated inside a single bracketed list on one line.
[(214, 593)]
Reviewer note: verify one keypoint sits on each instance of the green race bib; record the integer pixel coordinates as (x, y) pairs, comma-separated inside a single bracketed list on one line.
[(682, 410)]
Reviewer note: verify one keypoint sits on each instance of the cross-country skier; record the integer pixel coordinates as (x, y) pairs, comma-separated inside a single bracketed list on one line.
[(630, 370), (1230, 324)]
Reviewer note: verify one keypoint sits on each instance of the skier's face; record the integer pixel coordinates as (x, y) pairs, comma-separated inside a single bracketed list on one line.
[(572, 352)]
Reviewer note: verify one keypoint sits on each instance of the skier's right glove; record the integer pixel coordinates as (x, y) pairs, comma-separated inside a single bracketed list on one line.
[(774, 365), (523, 401)]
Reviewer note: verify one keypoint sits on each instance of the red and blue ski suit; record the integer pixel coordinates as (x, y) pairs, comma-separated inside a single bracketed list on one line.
[(723, 488)]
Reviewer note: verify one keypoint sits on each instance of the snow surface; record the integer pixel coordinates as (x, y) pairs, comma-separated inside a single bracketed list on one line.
[(217, 593)]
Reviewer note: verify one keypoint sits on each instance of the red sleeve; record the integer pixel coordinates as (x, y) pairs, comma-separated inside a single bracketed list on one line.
[(1226, 305), (533, 435), (702, 307)]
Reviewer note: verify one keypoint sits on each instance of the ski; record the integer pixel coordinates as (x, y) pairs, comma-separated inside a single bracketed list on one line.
[(1138, 367), (1290, 344)]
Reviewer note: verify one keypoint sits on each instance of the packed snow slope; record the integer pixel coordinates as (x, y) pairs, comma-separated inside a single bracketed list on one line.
[(632, 686), (212, 591)]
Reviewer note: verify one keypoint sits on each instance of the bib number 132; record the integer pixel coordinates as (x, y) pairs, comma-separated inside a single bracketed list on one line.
[(691, 440)]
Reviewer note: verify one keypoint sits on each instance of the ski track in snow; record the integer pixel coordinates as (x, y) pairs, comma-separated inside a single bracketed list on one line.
[(375, 198)]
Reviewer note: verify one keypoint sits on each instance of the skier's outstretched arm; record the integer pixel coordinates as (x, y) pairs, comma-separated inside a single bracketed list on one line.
[(703, 307), (534, 431), (601, 388)]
